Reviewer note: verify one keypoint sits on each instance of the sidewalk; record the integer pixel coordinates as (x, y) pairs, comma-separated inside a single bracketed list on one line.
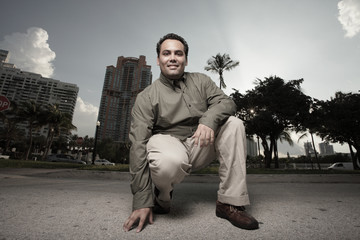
[(73, 204)]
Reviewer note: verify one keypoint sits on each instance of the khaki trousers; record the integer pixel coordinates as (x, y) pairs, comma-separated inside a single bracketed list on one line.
[(171, 159)]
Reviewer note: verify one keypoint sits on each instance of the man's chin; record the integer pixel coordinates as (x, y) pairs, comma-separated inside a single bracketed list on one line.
[(173, 76)]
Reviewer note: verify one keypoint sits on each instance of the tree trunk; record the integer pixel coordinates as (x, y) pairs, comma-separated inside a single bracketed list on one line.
[(221, 79), (267, 152), (271, 150), (355, 157), (48, 146), (7, 146), (276, 156), (30, 143), (316, 157)]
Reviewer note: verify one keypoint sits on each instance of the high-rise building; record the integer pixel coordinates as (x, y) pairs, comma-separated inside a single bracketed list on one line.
[(326, 148), (4, 56), (251, 147), (309, 150), (121, 86), (20, 86)]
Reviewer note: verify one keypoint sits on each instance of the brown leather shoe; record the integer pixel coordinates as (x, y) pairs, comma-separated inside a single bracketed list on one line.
[(157, 209), (236, 215)]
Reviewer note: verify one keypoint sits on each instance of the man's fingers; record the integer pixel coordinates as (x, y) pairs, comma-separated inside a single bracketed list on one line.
[(202, 140), (141, 224), (207, 139), (203, 136), (212, 137), (151, 219), (143, 220), (196, 138), (128, 224), (125, 226), (138, 217)]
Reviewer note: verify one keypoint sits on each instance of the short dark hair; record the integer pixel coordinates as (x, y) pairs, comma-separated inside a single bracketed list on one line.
[(174, 37)]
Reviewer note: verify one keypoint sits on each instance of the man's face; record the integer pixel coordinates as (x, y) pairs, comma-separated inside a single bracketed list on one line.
[(172, 59)]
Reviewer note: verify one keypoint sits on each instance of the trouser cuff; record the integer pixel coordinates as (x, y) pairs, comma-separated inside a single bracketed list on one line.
[(235, 201)]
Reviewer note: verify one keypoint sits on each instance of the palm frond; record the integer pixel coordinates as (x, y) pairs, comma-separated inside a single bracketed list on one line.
[(219, 63)]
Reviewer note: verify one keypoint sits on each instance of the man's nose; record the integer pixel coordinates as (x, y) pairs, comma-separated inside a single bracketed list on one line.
[(172, 58)]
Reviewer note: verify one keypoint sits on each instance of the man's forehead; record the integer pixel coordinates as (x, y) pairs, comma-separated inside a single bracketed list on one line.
[(172, 44)]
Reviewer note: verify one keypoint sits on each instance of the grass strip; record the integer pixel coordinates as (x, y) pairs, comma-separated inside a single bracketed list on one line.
[(212, 169)]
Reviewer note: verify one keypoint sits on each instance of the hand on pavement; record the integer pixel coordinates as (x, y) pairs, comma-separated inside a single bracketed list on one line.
[(143, 215)]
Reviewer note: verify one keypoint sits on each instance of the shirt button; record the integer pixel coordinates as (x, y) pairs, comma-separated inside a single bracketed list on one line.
[(189, 105)]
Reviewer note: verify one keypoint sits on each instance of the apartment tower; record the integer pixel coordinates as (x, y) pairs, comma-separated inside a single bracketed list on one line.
[(121, 86), (21, 86)]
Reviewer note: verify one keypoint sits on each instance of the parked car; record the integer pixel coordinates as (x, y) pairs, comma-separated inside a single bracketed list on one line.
[(103, 162), (64, 158), (4, 156), (342, 166)]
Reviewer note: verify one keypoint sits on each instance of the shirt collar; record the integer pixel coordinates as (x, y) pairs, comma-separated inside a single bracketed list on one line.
[(170, 82)]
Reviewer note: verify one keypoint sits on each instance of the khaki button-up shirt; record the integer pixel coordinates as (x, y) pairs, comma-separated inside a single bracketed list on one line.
[(173, 108)]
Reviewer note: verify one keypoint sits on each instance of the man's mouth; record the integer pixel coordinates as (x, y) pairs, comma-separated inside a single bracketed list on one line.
[(173, 67)]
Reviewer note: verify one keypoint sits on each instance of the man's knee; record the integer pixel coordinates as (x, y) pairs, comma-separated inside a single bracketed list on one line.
[(165, 161), (234, 125), (166, 165), (235, 122)]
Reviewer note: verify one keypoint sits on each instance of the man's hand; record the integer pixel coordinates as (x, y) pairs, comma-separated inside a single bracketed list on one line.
[(203, 136), (142, 214)]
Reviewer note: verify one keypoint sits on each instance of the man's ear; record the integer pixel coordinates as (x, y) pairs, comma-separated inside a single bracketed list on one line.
[(186, 62), (157, 61)]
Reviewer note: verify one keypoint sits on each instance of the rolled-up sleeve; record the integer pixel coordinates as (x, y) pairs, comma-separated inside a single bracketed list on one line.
[(142, 120)]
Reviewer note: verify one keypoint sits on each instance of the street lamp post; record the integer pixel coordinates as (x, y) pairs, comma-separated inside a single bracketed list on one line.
[(94, 150)]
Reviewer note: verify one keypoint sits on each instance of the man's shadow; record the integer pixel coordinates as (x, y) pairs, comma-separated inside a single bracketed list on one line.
[(188, 196)]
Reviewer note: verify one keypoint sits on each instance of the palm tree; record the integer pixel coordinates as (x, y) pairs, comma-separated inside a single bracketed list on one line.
[(58, 123), (274, 108), (283, 136), (311, 122), (72, 142), (313, 145), (10, 131), (30, 112), (219, 64)]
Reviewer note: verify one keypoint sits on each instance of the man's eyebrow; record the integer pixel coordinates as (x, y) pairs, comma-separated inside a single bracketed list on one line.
[(176, 51)]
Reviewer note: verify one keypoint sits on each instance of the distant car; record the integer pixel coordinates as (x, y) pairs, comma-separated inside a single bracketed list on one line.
[(64, 158), (342, 166), (103, 162), (4, 156)]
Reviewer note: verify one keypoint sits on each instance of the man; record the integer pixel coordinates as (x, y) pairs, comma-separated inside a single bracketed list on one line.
[(181, 123)]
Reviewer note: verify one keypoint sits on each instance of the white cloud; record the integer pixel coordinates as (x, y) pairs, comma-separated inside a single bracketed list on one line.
[(85, 117), (30, 51), (349, 16)]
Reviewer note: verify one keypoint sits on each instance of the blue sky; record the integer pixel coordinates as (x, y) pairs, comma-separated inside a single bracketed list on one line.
[(73, 41)]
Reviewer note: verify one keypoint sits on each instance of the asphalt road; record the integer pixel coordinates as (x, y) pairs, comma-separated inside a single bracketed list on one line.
[(72, 204)]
